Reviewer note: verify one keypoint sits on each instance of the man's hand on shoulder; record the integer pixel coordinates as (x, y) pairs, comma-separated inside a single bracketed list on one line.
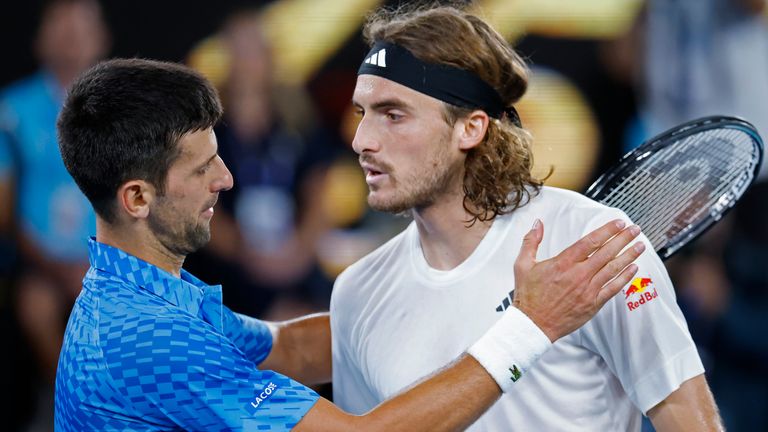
[(562, 293)]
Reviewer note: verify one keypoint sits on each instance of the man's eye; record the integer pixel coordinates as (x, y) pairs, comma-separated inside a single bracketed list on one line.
[(394, 116)]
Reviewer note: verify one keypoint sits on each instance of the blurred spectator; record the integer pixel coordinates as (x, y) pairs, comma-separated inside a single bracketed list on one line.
[(708, 57), (723, 288), (40, 205), (266, 228), (705, 57), (740, 376)]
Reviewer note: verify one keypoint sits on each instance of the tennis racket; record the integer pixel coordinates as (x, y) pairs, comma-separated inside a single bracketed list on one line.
[(678, 184)]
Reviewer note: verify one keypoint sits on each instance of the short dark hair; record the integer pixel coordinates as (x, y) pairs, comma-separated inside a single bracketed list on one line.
[(122, 120)]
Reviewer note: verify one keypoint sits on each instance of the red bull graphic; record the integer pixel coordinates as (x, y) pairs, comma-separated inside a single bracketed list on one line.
[(640, 289), (638, 285)]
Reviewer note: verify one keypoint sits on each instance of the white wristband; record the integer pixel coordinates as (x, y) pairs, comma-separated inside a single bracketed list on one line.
[(510, 347)]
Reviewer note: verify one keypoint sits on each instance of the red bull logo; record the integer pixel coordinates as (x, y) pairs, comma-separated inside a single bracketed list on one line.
[(640, 287)]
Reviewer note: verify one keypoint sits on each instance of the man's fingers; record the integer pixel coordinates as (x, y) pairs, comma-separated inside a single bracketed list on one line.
[(613, 287), (608, 251), (580, 250), (616, 265), (527, 257)]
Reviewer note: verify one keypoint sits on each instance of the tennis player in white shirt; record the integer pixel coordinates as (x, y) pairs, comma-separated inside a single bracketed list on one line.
[(439, 139)]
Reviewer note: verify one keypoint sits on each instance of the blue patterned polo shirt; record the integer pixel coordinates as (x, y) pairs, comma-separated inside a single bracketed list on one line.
[(145, 350)]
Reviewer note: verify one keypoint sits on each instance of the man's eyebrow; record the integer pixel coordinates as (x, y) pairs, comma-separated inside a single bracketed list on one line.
[(207, 161), (385, 103)]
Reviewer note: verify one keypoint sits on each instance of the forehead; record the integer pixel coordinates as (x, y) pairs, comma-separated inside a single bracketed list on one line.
[(371, 89)]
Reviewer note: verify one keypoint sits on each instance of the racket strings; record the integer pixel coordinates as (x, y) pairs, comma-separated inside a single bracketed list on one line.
[(673, 177), (684, 183), (652, 211), (693, 197), (683, 199), (658, 214)]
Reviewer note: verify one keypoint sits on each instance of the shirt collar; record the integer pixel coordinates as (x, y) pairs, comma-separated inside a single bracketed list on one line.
[(188, 292)]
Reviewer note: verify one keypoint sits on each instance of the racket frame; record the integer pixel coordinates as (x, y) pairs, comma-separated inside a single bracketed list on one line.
[(600, 188)]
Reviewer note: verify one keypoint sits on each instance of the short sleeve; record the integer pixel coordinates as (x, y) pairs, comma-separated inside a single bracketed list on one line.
[(180, 371), (252, 336), (642, 335)]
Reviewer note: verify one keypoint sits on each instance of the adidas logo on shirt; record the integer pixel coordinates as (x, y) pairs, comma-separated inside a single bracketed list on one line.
[(378, 59), (505, 303)]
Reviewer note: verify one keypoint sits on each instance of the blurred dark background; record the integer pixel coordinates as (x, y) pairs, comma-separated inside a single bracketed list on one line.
[(606, 75)]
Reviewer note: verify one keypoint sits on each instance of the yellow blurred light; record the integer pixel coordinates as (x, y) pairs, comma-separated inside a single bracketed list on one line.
[(305, 33), (211, 58), (594, 19), (345, 192), (564, 129)]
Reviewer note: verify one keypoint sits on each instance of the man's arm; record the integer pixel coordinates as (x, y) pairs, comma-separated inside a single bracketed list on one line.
[(451, 400), (301, 349), (588, 273), (690, 407)]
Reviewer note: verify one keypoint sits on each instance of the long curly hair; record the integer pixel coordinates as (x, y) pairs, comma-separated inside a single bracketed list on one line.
[(497, 178)]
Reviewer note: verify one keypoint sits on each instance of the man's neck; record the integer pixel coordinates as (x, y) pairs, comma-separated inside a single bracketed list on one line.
[(140, 244), (446, 239)]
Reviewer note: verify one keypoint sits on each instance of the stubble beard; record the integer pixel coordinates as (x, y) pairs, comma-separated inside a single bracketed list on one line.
[(421, 189), (178, 235)]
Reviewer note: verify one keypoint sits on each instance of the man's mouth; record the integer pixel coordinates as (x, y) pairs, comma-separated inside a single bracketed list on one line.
[(208, 209), (374, 176), (372, 170)]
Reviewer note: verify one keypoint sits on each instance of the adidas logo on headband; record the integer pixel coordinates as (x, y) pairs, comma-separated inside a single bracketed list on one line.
[(444, 82), (379, 58)]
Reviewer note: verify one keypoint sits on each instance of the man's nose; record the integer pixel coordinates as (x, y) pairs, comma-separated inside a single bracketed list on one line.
[(366, 139), (224, 180)]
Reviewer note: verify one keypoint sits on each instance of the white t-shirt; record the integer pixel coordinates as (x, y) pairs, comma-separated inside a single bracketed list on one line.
[(395, 320)]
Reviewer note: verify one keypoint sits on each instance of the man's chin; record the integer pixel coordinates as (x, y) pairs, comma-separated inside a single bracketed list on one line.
[(388, 206), (193, 241), (200, 240)]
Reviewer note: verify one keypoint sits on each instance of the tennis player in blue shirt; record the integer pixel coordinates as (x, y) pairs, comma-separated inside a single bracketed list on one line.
[(150, 347)]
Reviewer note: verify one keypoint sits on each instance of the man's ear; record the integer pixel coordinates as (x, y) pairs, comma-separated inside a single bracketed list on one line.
[(134, 198), (471, 129)]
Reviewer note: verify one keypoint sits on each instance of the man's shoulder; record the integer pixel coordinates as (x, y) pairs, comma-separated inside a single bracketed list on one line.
[(567, 216), (565, 198), (134, 325), (116, 292), (573, 206), (125, 311)]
